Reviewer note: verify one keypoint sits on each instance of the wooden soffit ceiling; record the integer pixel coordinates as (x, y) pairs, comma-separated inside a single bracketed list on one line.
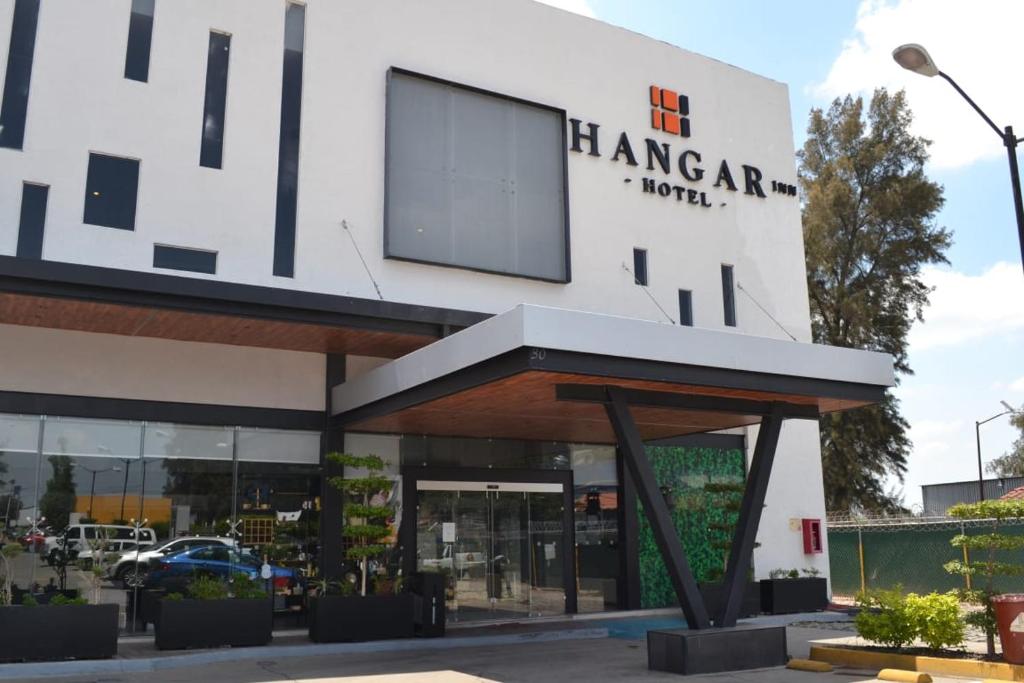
[(166, 323)]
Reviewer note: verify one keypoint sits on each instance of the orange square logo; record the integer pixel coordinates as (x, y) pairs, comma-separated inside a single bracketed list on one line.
[(670, 111)]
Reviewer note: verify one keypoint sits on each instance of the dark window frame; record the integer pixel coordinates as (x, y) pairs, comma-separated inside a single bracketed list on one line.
[(509, 98), (728, 295), (641, 267), (188, 259), (18, 79), (686, 307), (215, 100), (89, 192), (32, 219), (140, 42)]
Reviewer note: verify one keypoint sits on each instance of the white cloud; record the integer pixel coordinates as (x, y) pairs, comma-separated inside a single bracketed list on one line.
[(976, 43), (965, 308), (1017, 386), (578, 6)]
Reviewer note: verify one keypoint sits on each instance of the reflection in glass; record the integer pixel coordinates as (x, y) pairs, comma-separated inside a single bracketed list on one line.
[(596, 510)]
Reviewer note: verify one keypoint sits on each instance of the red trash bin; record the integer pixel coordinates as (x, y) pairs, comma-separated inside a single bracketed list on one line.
[(1010, 620)]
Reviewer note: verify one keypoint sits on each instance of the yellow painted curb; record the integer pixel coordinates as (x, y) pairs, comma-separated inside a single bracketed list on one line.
[(808, 665), (942, 666), (902, 676)]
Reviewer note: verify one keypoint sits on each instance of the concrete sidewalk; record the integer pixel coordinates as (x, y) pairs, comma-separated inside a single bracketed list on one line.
[(602, 649), (602, 659)]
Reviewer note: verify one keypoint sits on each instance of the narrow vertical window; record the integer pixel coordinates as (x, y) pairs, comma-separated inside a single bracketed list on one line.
[(686, 307), (33, 218), (288, 146), (212, 150), (140, 36), (728, 296), (640, 266), (14, 108)]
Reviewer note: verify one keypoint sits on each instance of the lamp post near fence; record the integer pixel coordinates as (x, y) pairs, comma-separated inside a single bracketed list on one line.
[(913, 57), (977, 439)]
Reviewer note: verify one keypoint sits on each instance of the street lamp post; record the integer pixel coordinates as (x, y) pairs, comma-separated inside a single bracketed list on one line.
[(92, 486), (913, 57), (977, 439)]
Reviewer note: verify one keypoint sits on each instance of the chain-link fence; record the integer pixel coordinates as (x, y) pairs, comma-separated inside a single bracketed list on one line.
[(910, 552)]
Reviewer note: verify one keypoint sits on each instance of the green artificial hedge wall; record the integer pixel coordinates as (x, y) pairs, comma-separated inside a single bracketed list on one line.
[(699, 514)]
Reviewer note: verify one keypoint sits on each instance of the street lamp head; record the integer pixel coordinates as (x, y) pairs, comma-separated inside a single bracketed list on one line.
[(914, 57), (1008, 407)]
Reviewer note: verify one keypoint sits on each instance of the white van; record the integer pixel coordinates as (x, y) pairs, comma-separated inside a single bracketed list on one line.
[(81, 537)]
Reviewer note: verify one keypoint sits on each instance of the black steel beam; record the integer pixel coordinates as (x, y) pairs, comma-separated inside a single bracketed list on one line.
[(616, 368), (665, 533), (332, 526), (667, 399), (749, 517)]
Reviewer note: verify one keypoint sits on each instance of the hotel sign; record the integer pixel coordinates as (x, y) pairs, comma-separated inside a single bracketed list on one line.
[(680, 175)]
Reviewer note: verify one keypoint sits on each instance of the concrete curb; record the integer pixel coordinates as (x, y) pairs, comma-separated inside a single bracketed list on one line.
[(143, 665), (941, 666)]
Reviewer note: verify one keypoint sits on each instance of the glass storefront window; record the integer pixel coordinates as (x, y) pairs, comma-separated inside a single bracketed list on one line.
[(596, 511), (86, 498)]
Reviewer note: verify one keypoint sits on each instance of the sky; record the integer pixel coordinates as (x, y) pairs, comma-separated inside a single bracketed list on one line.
[(967, 354)]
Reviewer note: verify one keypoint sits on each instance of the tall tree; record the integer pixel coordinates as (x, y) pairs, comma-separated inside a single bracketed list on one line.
[(58, 501), (869, 227), (1011, 463)]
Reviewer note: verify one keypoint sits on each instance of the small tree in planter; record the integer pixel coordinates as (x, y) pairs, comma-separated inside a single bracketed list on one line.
[(62, 628), (335, 617), (995, 512), (366, 524)]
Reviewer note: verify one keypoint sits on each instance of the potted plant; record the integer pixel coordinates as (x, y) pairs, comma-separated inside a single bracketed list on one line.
[(997, 558), (786, 591), (215, 613), (347, 611), (60, 627)]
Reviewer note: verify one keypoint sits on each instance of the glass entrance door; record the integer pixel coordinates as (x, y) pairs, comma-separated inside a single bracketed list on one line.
[(499, 544)]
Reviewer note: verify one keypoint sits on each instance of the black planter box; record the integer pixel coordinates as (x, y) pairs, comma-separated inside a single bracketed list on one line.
[(786, 596), (710, 650), (334, 619), (182, 624), (55, 632), (714, 596)]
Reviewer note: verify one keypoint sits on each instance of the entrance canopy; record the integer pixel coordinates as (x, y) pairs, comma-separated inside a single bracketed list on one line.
[(542, 374)]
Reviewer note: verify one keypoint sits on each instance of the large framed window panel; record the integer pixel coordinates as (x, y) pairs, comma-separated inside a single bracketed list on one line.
[(475, 180)]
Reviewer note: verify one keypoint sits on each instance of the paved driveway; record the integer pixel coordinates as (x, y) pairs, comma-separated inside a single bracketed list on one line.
[(585, 661)]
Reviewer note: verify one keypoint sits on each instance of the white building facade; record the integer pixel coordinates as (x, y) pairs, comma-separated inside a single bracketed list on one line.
[(214, 215)]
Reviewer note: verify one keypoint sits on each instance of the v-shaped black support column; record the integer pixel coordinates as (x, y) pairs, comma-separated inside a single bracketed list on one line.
[(750, 516), (665, 533)]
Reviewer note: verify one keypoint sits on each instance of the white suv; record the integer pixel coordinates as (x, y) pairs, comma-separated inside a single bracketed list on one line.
[(82, 537), (122, 570)]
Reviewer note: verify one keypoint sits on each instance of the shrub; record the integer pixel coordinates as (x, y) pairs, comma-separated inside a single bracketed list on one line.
[(891, 618), (245, 587), (884, 618), (937, 617), (207, 588), (61, 599)]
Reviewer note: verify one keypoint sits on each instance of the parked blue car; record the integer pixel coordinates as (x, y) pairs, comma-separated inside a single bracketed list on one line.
[(173, 572)]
